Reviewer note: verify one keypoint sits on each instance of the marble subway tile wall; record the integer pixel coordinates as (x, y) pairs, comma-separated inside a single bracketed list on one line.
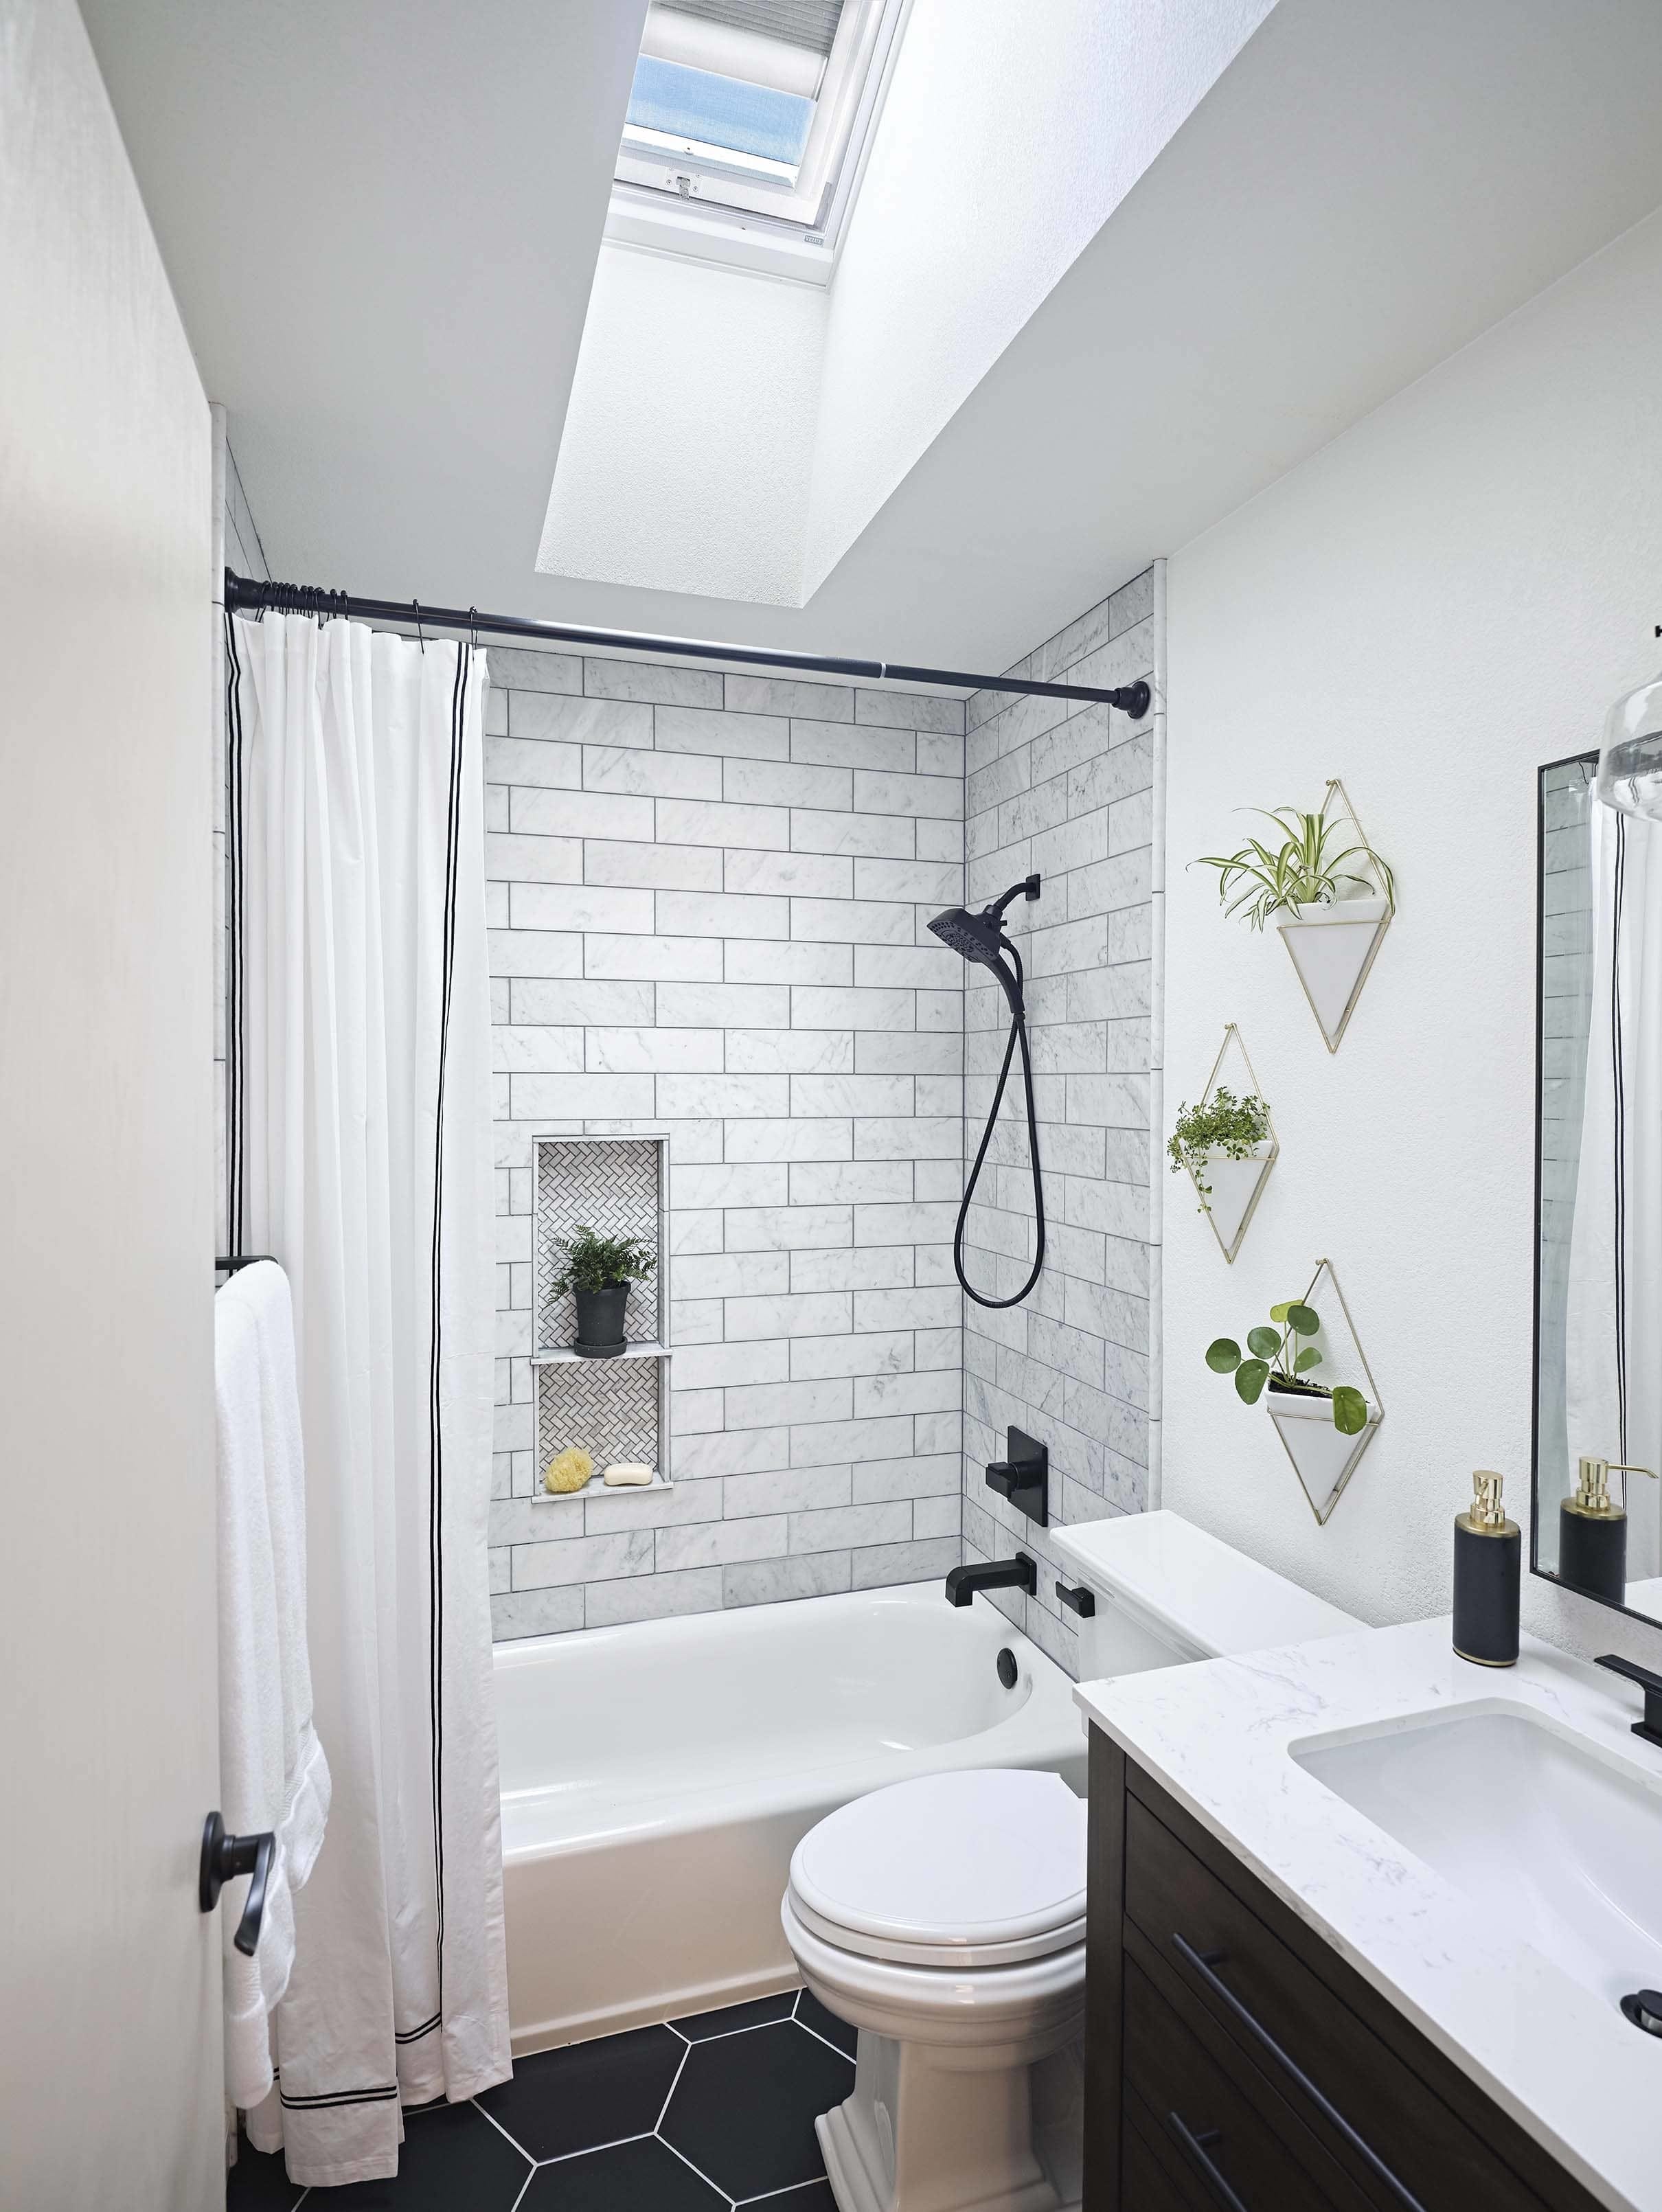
[(708, 895), (1070, 791)]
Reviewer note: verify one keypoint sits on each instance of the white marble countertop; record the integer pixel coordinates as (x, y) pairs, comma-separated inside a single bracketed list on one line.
[(1584, 2083)]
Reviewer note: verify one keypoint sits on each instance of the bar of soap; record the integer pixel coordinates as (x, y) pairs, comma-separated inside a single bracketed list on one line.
[(626, 1473)]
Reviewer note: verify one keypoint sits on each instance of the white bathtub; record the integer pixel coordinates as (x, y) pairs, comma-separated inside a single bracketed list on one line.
[(656, 1779)]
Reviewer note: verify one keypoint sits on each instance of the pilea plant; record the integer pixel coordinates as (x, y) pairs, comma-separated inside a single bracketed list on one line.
[(1221, 1123), (1281, 1361), (1307, 868)]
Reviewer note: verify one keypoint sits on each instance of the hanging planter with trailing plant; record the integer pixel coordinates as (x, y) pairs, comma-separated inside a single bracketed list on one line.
[(598, 1271), (1331, 915)]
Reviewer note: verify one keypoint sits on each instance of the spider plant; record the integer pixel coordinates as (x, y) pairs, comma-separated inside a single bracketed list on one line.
[(1306, 869)]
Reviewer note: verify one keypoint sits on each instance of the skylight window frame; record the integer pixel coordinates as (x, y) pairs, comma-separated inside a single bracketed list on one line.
[(711, 205)]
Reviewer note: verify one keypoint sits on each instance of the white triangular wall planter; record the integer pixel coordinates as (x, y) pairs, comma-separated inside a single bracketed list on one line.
[(1323, 1457), (1332, 948), (1235, 1188)]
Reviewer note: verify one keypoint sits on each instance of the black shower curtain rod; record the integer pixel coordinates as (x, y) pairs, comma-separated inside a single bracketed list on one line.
[(248, 595)]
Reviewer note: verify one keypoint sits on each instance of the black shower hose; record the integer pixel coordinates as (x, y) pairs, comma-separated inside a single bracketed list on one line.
[(1018, 1030)]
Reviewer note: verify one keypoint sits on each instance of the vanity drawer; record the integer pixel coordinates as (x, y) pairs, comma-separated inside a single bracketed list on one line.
[(1153, 2178), (1218, 2121), (1285, 2020)]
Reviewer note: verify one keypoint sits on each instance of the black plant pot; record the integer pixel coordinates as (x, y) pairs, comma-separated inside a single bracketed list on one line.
[(600, 1322)]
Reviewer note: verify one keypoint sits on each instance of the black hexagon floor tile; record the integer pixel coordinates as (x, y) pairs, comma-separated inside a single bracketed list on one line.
[(813, 2015), (699, 2026), (745, 2106), (587, 2094), (452, 2160), (631, 2176)]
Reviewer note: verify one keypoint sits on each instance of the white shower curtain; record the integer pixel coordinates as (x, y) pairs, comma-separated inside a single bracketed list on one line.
[(361, 1158), (1613, 1334)]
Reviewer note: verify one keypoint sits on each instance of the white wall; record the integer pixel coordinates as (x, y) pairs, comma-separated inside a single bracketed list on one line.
[(1446, 597), (110, 2079), (1008, 137), (688, 443)]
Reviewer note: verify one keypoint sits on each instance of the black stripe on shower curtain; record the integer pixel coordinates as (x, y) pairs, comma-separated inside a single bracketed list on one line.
[(234, 896), (1620, 1253), (435, 1430)]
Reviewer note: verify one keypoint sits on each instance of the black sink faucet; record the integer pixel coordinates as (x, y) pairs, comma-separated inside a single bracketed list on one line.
[(1651, 1727), (1019, 1573)]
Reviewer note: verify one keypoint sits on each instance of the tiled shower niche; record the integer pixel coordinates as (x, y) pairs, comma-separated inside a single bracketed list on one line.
[(615, 1409)]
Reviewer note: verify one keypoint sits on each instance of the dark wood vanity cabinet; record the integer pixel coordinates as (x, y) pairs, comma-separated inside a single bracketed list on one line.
[(1235, 2063)]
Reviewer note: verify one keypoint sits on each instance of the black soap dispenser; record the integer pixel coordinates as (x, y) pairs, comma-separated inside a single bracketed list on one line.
[(1593, 1533), (1487, 1565)]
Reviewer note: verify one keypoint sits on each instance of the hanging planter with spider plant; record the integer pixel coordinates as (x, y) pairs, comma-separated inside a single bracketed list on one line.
[(1331, 915)]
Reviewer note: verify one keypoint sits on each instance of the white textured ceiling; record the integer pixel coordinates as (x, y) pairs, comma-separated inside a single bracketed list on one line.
[(382, 223)]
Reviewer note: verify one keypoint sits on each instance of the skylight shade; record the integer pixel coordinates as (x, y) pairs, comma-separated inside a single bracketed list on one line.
[(720, 111), (811, 23)]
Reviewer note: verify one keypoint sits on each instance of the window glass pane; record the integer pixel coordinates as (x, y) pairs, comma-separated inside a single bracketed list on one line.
[(719, 110)]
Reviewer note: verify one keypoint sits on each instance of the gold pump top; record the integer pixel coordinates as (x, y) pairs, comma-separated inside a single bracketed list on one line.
[(1593, 1496), (1485, 1515)]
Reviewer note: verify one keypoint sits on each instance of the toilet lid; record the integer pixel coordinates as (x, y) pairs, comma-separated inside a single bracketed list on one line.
[(950, 1869)]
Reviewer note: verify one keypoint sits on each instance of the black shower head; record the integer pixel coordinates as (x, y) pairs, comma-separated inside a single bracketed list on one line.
[(975, 937), (980, 938)]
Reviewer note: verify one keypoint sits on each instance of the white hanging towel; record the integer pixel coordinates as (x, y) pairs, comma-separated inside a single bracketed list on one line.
[(1613, 1379), (273, 1774), (362, 1151)]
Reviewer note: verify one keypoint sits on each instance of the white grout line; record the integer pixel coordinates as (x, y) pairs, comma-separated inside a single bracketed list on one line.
[(826, 2039), (588, 2150), (790, 2190), (699, 2170), (499, 2128), (686, 2053), (524, 2186), (783, 2020)]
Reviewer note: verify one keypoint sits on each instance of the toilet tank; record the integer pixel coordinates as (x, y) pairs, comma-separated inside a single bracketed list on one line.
[(1167, 1592)]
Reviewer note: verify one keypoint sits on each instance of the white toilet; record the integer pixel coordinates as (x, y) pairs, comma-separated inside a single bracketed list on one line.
[(945, 1917)]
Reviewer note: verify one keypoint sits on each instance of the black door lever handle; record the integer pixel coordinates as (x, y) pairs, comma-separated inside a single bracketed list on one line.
[(224, 1857)]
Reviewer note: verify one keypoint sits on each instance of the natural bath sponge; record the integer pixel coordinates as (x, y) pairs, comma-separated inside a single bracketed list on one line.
[(567, 1470)]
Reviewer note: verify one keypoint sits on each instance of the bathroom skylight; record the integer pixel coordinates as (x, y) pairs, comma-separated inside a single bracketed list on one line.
[(746, 123)]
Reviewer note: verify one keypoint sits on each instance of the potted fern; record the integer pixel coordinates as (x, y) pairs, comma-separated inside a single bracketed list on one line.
[(598, 1271)]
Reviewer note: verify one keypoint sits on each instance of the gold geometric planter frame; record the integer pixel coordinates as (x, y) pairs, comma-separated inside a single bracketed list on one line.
[(1332, 959), (1243, 1190), (1323, 1458)]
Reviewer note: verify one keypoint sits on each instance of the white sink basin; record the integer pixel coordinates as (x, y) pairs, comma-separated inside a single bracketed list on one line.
[(1560, 1844)]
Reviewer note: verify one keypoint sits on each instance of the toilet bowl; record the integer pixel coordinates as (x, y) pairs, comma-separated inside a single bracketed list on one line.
[(945, 1919)]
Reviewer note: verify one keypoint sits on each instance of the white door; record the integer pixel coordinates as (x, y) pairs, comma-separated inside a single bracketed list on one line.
[(110, 2081)]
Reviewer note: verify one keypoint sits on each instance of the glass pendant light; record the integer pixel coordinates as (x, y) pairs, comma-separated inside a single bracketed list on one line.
[(1630, 761)]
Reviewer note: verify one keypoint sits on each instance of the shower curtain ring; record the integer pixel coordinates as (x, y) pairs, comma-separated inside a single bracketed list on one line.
[(473, 627), (421, 635)]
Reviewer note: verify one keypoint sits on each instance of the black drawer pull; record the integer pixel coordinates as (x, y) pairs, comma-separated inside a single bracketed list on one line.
[(1195, 2148), (1203, 1963)]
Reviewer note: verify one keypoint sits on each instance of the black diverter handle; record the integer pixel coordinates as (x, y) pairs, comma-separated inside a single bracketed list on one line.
[(224, 1857)]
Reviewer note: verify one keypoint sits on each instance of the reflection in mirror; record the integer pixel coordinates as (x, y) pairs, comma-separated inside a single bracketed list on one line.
[(1599, 1284)]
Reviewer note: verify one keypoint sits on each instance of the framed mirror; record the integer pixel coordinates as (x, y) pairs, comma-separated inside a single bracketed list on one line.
[(1599, 1196)]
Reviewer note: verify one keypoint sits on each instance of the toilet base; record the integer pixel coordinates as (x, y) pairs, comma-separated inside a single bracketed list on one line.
[(917, 2134)]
